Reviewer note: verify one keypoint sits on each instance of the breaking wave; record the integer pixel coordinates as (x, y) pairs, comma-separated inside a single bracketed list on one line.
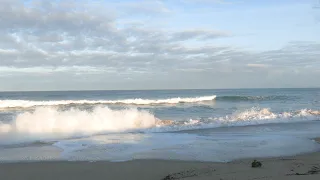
[(265, 115), (25, 104), (51, 123), (48, 122), (253, 116), (5, 104)]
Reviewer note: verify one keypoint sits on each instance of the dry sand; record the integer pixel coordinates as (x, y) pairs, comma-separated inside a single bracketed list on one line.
[(306, 166)]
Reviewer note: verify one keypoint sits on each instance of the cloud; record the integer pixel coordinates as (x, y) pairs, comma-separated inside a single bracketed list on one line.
[(49, 70), (58, 33), (98, 41), (316, 5), (198, 34), (295, 54), (316, 10), (258, 65), (144, 7), (210, 1)]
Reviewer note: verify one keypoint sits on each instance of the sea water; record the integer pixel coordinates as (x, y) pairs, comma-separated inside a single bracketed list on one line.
[(203, 125)]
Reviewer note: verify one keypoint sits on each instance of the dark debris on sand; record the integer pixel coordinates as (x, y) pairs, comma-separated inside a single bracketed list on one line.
[(188, 173), (256, 164), (313, 170)]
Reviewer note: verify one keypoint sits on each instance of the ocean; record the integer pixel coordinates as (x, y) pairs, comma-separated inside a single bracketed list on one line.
[(203, 125)]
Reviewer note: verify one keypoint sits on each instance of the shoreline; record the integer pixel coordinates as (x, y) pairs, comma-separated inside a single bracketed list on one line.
[(302, 166), (306, 166)]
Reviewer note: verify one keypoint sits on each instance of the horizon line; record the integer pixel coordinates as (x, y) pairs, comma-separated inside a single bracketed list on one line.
[(169, 89)]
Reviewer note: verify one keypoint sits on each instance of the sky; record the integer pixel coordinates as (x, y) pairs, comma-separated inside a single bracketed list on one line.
[(158, 44)]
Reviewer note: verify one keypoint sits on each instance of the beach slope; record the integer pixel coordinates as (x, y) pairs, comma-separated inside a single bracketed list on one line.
[(306, 166)]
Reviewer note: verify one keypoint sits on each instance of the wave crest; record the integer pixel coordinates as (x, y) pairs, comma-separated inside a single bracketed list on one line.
[(5, 104)]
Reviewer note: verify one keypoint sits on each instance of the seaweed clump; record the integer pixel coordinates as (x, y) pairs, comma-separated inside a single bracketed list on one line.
[(256, 164)]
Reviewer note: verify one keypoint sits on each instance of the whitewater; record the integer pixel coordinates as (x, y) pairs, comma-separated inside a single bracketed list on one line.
[(203, 125)]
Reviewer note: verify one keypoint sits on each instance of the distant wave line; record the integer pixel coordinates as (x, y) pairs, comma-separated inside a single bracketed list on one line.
[(138, 101), (254, 98)]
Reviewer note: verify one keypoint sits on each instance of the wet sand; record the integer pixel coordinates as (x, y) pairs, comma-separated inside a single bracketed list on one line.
[(305, 166)]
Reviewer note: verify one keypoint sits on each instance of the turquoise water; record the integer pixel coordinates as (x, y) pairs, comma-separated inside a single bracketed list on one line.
[(206, 125)]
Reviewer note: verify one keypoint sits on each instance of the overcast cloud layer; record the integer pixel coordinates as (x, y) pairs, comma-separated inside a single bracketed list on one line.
[(63, 45)]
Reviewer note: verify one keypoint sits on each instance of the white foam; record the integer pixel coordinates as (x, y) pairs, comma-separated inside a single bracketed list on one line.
[(26, 103), (253, 116), (51, 123), (265, 115), (48, 122), (256, 116)]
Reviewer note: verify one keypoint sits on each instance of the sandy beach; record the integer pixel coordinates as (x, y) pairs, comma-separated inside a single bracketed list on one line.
[(305, 166)]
